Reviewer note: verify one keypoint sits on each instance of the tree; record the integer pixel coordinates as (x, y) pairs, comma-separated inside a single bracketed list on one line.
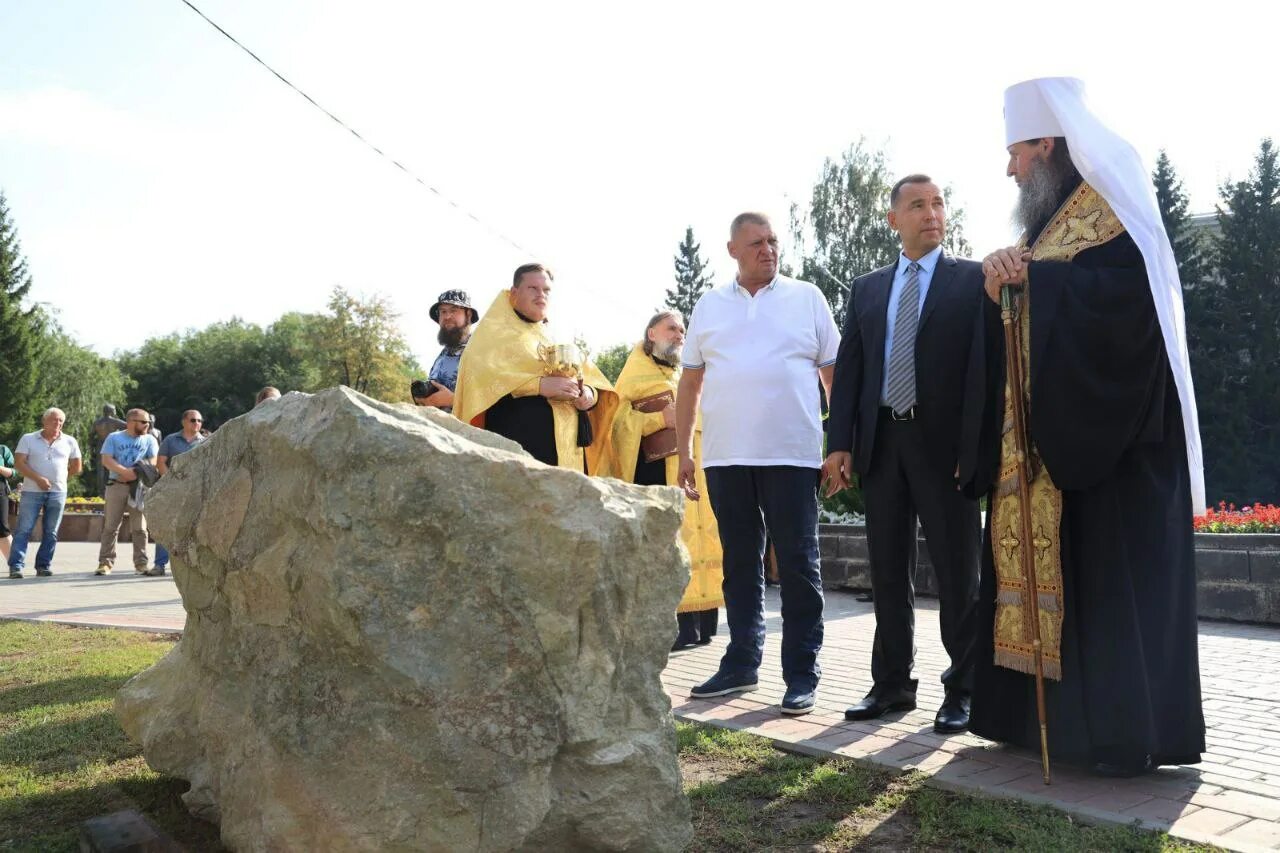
[(359, 345), (692, 278), (1236, 337), (1188, 250), (220, 368), (288, 358), (844, 232), (21, 331), (217, 370), (79, 381), (955, 242), (612, 359)]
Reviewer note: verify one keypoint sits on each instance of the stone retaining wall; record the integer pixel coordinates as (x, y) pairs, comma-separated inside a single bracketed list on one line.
[(1238, 574)]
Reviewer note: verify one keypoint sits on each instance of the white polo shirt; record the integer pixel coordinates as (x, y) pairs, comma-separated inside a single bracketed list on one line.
[(761, 403), (49, 460)]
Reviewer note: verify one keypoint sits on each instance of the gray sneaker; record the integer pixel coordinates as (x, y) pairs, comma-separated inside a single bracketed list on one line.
[(17, 576)]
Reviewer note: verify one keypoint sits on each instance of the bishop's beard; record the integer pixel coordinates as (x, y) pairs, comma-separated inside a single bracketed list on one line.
[(1041, 193)]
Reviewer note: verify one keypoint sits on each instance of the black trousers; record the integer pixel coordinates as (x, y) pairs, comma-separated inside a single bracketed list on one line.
[(901, 485)]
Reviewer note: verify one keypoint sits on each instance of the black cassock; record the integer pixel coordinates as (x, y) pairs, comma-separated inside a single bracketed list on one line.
[(529, 422), (1106, 420)]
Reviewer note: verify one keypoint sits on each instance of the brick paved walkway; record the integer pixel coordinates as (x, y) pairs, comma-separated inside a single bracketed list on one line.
[(75, 596), (1232, 799)]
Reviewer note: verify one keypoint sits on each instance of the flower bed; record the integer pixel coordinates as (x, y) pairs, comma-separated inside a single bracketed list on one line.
[(1237, 562), (92, 505), (1250, 519)]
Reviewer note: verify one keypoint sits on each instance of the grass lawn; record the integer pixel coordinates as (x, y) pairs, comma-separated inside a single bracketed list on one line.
[(64, 759), (746, 795), (63, 756)]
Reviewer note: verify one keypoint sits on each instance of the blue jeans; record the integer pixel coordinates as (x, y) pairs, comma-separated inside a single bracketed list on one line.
[(28, 511), (782, 499), (162, 556)]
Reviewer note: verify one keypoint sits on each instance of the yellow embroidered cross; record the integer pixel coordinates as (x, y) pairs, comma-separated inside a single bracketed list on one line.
[(1008, 542), (1083, 228), (1041, 542)]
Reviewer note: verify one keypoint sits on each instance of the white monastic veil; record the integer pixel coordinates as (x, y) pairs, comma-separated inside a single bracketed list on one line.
[(1055, 106)]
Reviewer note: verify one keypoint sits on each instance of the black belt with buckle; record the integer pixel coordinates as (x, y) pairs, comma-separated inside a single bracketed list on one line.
[(908, 415)]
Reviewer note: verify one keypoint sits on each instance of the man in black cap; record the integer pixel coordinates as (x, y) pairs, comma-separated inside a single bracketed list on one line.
[(455, 316)]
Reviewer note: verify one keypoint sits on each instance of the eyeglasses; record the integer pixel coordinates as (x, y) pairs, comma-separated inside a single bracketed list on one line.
[(195, 420), (138, 421)]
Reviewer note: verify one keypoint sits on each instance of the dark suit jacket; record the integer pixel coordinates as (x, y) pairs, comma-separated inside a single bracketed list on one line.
[(943, 339)]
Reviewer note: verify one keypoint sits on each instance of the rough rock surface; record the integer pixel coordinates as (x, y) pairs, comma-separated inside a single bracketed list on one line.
[(404, 633)]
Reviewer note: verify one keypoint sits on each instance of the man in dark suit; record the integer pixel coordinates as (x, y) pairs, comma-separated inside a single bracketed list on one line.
[(896, 407)]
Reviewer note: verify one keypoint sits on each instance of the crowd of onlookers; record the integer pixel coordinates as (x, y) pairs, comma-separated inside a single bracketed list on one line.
[(132, 456)]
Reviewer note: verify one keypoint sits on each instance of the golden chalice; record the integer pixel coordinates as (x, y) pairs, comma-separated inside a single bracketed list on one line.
[(562, 360)]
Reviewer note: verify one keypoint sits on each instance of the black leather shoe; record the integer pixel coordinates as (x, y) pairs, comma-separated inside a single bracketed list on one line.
[(684, 640), (876, 705), (953, 716), (1124, 769)]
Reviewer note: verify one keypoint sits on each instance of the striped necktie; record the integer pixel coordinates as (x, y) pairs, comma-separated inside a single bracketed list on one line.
[(901, 391)]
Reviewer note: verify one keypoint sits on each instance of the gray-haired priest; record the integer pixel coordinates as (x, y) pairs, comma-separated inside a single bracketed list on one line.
[(1116, 471)]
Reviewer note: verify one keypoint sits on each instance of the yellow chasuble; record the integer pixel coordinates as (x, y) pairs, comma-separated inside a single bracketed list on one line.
[(1085, 220), (501, 358), (643, 377)]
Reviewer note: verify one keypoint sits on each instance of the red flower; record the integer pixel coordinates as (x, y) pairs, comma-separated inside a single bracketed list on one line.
[(1228, 519)]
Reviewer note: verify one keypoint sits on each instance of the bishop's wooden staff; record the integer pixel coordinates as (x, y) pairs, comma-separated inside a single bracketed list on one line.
[(1009, 316)]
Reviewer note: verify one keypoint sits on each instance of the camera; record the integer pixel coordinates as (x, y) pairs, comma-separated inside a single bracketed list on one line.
[(421, 388)]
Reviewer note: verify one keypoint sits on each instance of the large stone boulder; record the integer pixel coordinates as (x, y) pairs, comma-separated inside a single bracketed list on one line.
[(404, 633)]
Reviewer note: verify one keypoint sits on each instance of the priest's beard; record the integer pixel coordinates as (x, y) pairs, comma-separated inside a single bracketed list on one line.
[(451, 338), (667, 353), (1041, 193)]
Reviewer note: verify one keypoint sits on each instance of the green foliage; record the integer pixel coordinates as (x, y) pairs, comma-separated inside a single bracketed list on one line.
[(219, 369), (955, 243), (845, 501), (611, 360), (1233, 326), (1188, 249), (79, 381), (844, 233), (692, 278), (358, 344), (21, 335)]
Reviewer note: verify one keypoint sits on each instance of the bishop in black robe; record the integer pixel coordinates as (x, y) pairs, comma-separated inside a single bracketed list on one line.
[(1105, 418)]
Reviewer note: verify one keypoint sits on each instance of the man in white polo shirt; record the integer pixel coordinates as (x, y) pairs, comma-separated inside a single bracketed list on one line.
[(45, 458), (753, 358)]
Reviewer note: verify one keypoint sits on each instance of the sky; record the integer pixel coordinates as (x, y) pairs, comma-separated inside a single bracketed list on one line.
[(161, 180)]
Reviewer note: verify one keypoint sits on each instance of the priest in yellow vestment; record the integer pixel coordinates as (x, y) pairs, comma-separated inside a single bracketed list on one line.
[(557, 409), (649, 376)]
